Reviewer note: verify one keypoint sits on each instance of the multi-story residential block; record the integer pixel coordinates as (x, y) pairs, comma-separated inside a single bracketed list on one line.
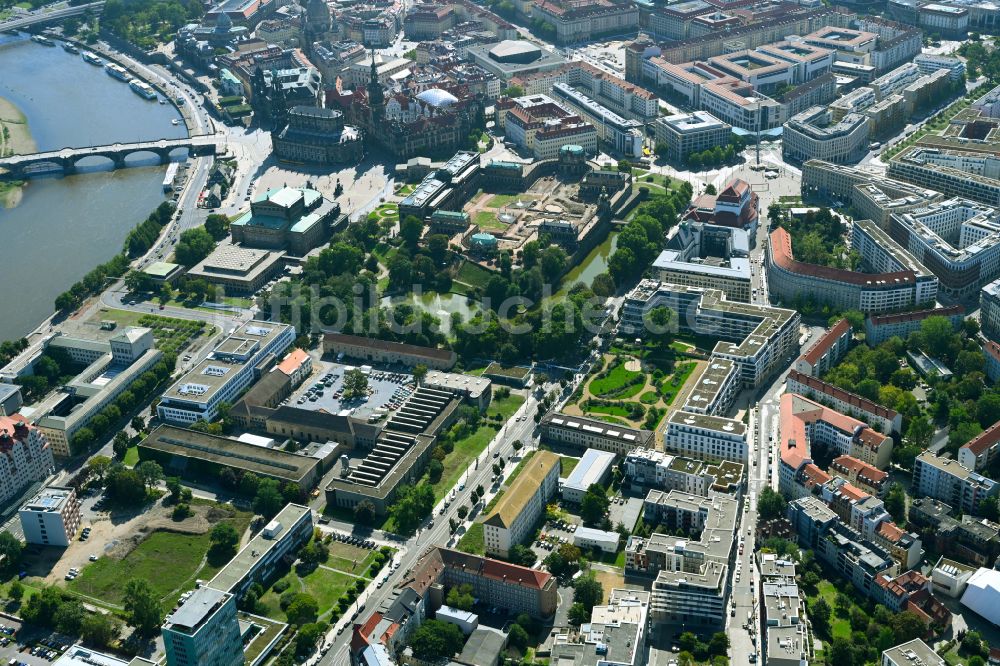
[(204, 630), (814, 134), (867, 477), (785, 631), (588, 433), (827, 351), (756, 338), (732, 276), (811, 518), (877, 416), (616, 633), (929, 63), (948, 481), (989, 310), (230, 369), (971, 540), (991, 351), (896, 280), (515, 514), (52, 517), (979, 452), (649, 469), (705, 437), (881, 327), (687, 133), (858, 561), (911, 591), (594, 467), (691, 582), (715, 390), (27, 456)]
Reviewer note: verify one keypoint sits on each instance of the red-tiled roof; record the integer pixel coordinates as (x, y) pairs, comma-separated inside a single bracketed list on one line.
[(984, 440), (863, 470), (890, 531), (511, 573), (993, 349), (828, 340), (840, 394), (293, 361), (814, 476), (796, 412), (781, 254), (916, 315)]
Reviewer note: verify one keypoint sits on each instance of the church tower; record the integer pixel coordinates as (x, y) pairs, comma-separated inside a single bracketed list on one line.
[(376, 96), (317, 21)]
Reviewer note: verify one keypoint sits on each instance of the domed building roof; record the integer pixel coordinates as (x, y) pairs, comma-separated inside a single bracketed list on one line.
[(437, 98)]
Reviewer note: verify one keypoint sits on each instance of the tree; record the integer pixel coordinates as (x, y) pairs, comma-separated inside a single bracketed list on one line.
[(516, 445), (419, 373), (410, 230), (268, 500), (718, 644), (16, 590), (150, 472), (518, 637), (193, 246), (624, 166), (588, 591), (771, 504), (688, 642), (99, 630), (820, 613), (435, 640), (593, 505), (937, 334), (302, 610), (308, 636), (225, 540), (69, 617), (412, 505), (217, 226), (138, 423), (522, 555), (120, 445), (841, 653), (355, 384), (513, 91), (578, 614), (895, 502), (174, 488), (125, 486), (461, 597), (142, 610), (906, 626), (364, 512), (710, 189)]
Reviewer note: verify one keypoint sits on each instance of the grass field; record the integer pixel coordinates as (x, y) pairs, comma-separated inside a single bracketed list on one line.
[(488, 221), (169, 561), (350, 558), (567, 465), (473, 275), (498, 201), (840, 627), (673, 384), (610, 410), (457, 462), (131, 458), (472, 541), (616, 380), (324, 585)]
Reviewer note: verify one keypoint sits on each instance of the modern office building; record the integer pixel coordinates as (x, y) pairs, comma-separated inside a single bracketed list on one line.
[(233, 366), (586, 433), (827, 351), (957, 239), (956, 173), (687, 133), (594, 467), (52, 517), (814, 134), (896, 280), (705, 437), (265, 553), (27, 456), (732, 276), (929, 63), (514, 516), (204, 630), (947, 480), (112, 366), (755, 338)]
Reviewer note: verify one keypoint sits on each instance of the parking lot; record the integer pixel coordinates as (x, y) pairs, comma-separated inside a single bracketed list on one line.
[(387, 390), (30, 647)]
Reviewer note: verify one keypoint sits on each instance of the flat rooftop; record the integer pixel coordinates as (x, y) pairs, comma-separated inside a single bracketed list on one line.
[(193, 612), (51, 498), (258, 547)]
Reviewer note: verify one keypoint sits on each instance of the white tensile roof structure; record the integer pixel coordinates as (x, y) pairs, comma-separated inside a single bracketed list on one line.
[(983, 594)]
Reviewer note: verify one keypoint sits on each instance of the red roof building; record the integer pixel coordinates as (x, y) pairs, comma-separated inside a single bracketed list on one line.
[(735, 206)]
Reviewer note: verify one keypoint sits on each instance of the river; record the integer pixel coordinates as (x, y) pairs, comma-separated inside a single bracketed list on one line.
[(64, 226)]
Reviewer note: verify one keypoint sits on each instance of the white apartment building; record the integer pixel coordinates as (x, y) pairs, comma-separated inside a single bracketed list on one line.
[(231, 368), (912, 653), (27, 456), (948, 481), (616, 634), (52, 517), (715, 390), (647, 468), (706, 437), (515, 514)]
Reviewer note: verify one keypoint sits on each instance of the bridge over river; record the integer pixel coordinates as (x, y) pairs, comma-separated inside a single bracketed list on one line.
[(24, 166)]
